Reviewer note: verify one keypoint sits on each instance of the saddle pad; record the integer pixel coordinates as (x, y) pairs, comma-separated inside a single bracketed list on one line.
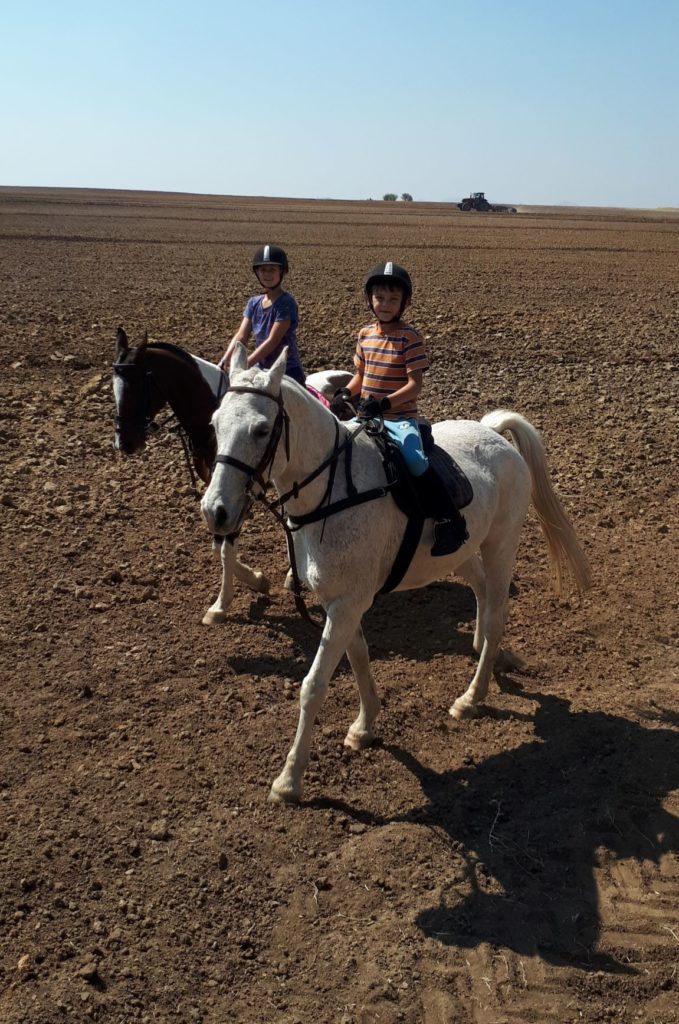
[(317, 394)]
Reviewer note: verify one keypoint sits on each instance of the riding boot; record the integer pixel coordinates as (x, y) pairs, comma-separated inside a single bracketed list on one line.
[(450, 530)]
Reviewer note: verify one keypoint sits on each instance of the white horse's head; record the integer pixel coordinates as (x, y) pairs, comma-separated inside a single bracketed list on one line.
[(248, 424)]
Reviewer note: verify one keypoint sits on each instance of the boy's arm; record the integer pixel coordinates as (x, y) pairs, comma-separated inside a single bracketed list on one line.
[(241, 335), (355, 385), (409, 392), (278, 332)]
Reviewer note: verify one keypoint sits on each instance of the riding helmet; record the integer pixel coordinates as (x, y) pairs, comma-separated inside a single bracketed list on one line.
[(389, 273), (270, 255)]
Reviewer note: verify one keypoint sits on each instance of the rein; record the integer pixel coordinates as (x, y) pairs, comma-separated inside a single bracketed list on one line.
[(277, 508)]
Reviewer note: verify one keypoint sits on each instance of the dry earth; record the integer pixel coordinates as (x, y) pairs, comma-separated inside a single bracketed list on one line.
[(519, 868)]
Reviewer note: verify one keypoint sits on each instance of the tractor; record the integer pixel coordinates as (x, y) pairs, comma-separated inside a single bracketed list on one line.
[(475, 201)]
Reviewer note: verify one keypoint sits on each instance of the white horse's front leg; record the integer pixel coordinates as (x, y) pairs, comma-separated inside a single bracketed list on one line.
[(252, 578), (231, 567), (360, 732), (217, 612), (338, 634)]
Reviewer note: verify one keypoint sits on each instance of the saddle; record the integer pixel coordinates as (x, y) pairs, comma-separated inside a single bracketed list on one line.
[(411, 499), (415, 501)]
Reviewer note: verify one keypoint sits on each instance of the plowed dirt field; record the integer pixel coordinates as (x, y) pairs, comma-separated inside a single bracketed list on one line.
[(521, 868)]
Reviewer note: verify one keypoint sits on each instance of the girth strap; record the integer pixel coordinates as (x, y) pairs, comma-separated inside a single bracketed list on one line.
[(404, 556)]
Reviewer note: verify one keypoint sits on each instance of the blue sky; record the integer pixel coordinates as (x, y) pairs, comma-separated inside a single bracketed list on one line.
[(533, 102)]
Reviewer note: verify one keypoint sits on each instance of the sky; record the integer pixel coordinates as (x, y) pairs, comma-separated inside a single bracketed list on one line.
[(535, 102)]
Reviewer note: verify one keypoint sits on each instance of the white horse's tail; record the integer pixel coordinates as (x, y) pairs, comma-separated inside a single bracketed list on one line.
[(566, 555)]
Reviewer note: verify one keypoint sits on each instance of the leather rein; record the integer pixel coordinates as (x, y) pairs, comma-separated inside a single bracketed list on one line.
[(326, 507)]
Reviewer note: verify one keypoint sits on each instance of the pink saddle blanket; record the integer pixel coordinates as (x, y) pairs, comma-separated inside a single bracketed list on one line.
[(317, 394)]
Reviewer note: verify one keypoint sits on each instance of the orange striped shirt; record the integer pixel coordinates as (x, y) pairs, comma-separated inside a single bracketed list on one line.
[(385, 355)]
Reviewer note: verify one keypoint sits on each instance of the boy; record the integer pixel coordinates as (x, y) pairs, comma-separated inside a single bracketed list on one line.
[(390, 361)]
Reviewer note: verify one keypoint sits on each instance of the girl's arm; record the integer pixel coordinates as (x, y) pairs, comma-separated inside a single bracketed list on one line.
[(278, 332), (241, 335)]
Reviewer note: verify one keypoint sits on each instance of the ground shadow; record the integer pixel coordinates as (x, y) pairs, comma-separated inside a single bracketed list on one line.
[(526, 829), (438, 609)]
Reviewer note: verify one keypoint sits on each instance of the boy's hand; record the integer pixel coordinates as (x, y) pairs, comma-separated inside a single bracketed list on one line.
[(370, 408)]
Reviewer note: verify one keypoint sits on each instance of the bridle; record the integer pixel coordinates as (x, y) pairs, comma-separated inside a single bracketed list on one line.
[(142, 417), (324, 510), (255, 474)]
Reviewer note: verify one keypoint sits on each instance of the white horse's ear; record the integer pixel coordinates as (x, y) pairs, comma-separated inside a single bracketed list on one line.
[(239, 359), (278, 369)]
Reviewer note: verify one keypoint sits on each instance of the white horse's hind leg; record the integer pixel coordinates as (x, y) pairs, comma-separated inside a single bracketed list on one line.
[(473, 573), (338, 635), (498, 561), (360, 732)]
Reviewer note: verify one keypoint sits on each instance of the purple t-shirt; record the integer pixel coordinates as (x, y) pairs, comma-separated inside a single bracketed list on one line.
[(283, 308)]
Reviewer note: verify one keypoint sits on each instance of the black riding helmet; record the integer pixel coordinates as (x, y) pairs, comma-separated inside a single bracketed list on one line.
[(270, 255), (390, 274)]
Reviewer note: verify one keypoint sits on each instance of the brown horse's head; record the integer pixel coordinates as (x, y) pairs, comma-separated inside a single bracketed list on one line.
[(138, 398)]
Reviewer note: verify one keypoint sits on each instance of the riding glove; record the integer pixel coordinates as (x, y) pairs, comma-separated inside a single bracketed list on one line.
[(369, 408)]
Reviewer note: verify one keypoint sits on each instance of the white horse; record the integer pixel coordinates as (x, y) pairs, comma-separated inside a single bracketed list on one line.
[(269, 427)]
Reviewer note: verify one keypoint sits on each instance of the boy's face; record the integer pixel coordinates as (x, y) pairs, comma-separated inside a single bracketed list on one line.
[(386, 302)]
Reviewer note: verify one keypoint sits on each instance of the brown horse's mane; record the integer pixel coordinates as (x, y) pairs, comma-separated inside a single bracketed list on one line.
[(167, 346)]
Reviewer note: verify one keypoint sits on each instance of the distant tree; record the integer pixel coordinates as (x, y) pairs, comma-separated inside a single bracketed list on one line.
[(390, 197), (406, 197)]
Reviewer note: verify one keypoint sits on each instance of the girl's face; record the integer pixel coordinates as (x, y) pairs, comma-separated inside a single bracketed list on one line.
[(386, 303), (269, 276)]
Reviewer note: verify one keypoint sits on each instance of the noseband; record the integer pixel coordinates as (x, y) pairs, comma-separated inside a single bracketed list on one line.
[(281, 423)]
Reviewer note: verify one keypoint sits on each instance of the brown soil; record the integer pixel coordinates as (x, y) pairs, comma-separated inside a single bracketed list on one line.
[(522, 867)]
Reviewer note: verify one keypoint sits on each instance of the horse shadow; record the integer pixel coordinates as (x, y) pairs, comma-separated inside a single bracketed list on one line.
[(441, 609), (527, 829)]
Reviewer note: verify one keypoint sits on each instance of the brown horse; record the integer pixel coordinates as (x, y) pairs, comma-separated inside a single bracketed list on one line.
[(150, 376)]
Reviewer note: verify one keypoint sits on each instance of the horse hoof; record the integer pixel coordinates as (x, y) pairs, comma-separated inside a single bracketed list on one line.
[(461, 710), (212, 618), (262, 585), (506, 661), (358, 740), (283, 793)]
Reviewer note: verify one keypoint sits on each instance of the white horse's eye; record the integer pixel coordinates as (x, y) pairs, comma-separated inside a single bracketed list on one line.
[(261, 430)]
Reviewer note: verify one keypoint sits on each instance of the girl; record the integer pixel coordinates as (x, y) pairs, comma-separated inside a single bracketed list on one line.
[(272, 317)]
